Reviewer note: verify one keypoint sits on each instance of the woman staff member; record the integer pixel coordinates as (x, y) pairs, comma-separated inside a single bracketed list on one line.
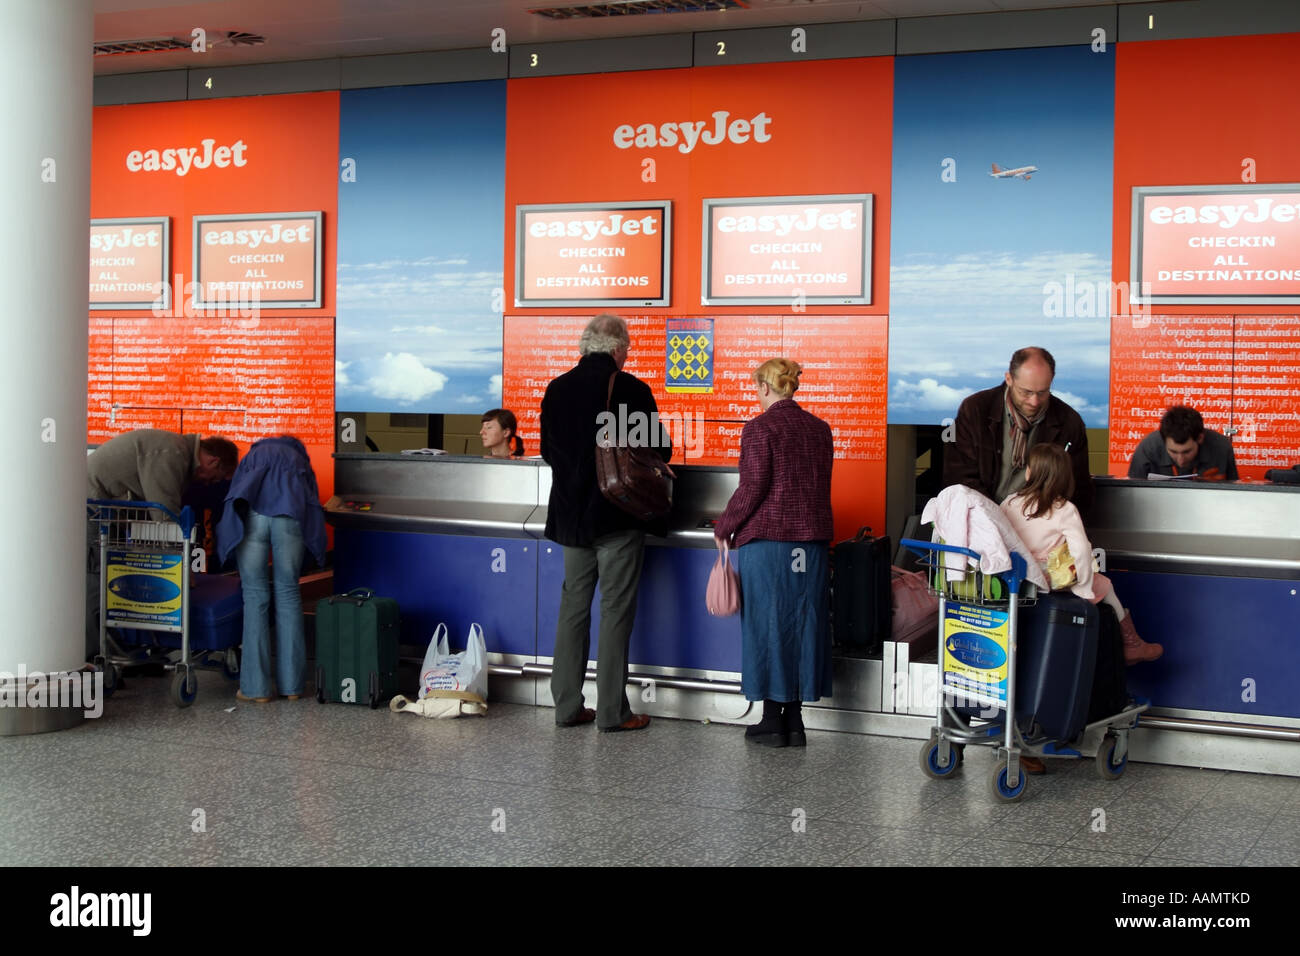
[(273, 509), (780, 520), (500, 434)]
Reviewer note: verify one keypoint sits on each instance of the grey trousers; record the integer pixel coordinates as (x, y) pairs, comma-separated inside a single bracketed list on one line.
[(615, 560)]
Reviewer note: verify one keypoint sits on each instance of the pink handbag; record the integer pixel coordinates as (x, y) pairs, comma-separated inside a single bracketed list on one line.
[(722, 597)]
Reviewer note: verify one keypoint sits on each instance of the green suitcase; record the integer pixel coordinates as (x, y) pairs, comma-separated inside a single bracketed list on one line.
[(356, 648)]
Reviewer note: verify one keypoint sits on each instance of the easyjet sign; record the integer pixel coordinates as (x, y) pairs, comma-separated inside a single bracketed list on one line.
[(687, 134), (182, 159)]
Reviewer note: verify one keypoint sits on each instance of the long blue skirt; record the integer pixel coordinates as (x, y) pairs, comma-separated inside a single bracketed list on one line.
[(785, 620)]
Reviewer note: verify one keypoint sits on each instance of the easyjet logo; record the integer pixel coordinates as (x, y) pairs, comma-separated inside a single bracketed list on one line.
[(252, 238), (783, 224), (184, 158), (686, 135), (1262, 210), (125, 238), (612, 225)]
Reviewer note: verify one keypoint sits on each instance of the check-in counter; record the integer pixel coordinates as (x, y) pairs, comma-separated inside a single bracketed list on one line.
[(461, 540), (1211, 570)]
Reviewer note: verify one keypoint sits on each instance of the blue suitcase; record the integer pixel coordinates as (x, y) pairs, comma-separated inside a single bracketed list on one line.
[(216, 617), (1056, 656)]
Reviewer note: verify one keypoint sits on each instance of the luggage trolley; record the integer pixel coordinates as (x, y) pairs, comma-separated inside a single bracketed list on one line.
[(144, 586), (977, 670)]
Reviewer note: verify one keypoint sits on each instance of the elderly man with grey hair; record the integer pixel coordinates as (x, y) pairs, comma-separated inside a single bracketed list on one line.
[(601, 542)]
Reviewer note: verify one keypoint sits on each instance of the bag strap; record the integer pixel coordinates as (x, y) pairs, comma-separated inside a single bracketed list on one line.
[(609, 393)]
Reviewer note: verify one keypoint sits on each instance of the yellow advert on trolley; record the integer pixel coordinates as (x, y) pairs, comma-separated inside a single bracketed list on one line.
[(975, 653), (143, 588)]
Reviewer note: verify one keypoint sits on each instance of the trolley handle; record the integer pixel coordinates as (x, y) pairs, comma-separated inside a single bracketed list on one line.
[(920, 547), (185, 519), (1014, 577)]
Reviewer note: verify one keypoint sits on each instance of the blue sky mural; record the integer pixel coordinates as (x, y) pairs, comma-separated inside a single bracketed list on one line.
[(420, 242), (970, 259)]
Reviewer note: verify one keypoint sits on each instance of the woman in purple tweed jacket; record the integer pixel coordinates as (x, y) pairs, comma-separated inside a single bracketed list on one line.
[(779, 520)]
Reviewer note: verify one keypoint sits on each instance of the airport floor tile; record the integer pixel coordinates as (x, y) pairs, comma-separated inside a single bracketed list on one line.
[(231, 784)]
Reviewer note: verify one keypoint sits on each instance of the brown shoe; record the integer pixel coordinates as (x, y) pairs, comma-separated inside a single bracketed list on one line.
[(585, 716), (239, 695), (636, 722), (292, 696), (1032, 765), (1136, 650)]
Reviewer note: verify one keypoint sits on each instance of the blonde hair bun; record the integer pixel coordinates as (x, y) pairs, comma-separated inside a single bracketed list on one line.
[(781, 375)]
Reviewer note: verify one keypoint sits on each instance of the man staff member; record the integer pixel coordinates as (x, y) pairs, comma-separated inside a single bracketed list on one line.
[(1184, 446), (600, 541), (996, 428), (146, 465)]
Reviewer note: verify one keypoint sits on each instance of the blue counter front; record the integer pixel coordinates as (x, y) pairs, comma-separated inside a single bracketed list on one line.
[(1232, 644), (512, 588)]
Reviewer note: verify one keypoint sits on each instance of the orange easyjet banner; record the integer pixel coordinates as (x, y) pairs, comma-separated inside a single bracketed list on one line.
[(592, 254), (817, 134), (1217, 244), (770, 252), (128, 263), (268, 258)]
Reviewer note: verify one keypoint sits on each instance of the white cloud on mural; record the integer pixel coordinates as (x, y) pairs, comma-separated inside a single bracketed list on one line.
[(404, 378)]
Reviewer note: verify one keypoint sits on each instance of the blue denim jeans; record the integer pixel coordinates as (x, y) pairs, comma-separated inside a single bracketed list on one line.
[(280, 539)]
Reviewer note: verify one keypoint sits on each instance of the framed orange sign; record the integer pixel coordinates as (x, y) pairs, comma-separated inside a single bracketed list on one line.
[(129, 259), (770, 250), (593, 254), (272, 258), (1211, 245)]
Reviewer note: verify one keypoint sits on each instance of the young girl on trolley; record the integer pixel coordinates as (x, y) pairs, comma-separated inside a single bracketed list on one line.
[(1050, 526)]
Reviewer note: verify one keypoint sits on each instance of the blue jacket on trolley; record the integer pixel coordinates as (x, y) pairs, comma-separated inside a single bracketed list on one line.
[(274, 478)]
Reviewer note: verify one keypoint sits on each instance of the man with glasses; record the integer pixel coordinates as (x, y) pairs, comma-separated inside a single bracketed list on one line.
[(996, 428)]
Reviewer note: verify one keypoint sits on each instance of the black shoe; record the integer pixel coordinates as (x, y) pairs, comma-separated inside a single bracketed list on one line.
[(792, 724), (765, 728)]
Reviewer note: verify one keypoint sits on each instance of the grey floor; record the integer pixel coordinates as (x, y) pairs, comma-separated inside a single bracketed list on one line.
[(304, 784)]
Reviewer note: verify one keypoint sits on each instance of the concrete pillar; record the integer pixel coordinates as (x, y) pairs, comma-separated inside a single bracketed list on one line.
[(45, 114)]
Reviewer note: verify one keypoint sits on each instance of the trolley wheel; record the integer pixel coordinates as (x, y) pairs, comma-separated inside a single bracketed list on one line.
[(930, 760), (230, 664), (998, 784), (185, 687), (1107, 768)]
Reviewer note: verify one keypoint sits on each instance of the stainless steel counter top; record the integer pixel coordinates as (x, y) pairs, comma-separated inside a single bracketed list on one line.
[(1238, 528), (453, 494)]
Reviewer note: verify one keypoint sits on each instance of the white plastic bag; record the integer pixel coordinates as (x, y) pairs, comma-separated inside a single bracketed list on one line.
[(463, 672)]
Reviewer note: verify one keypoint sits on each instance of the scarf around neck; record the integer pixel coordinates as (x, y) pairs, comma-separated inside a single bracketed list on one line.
[(1020, 429)]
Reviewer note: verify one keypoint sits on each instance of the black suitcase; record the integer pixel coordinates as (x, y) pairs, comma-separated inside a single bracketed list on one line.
[(1110, 680), (1056, 655), (862, 603)]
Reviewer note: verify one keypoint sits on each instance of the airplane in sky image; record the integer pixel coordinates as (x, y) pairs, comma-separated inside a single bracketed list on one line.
[(1021, 172)]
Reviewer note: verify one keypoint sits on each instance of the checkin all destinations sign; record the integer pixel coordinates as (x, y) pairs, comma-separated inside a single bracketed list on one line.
[(128, 263), (593, 254), (1211, 245), (274, 258), (774, 250)]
